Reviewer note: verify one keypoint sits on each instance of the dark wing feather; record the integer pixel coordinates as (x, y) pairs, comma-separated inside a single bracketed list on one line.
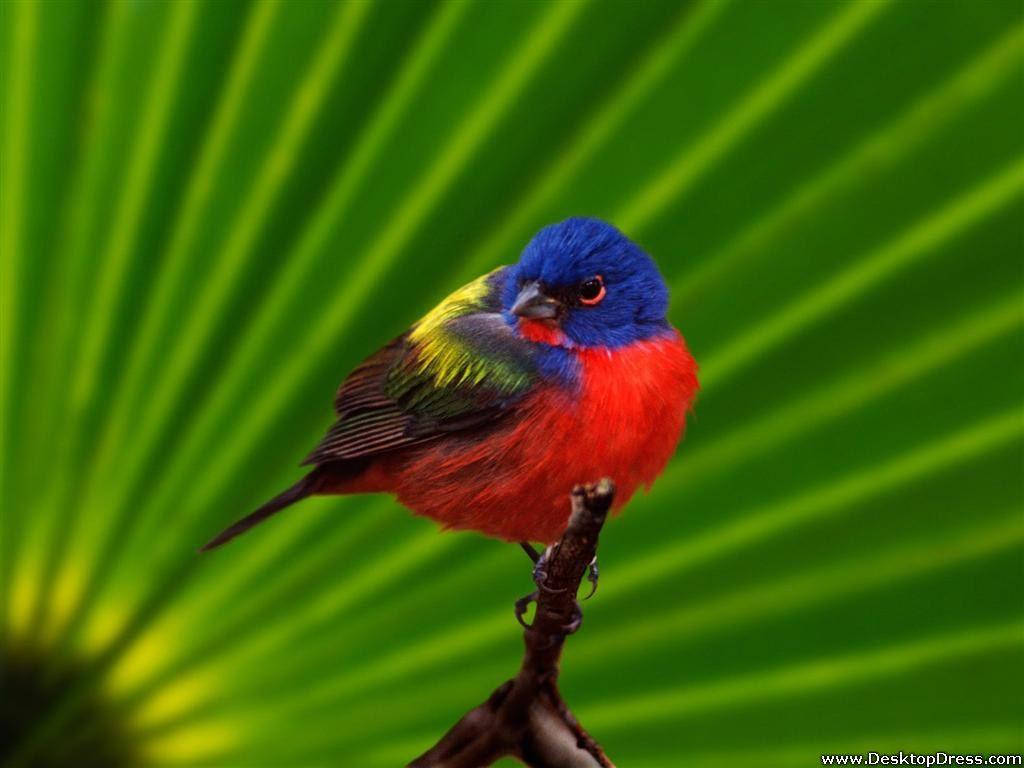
[(460, 367)]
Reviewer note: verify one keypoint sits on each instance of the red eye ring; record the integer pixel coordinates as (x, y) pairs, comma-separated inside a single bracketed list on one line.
[(588, 286)]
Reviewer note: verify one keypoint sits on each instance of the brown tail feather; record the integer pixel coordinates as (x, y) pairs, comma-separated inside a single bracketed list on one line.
[(305, 487)]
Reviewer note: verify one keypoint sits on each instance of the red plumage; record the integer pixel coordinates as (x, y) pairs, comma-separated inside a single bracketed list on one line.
[(511, 482)]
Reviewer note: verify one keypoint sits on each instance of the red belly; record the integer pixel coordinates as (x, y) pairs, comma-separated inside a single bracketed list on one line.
[(513, 482)]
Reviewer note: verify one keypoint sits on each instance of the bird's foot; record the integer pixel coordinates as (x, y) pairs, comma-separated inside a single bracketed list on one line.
[(540, 567), (540, 576), (592, 574), (523, 604), (540, 570), (575, 621)]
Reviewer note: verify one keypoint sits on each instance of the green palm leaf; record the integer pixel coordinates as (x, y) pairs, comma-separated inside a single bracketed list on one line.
[(211, 211)]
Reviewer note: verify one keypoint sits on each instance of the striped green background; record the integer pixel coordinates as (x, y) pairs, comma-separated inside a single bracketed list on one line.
[(211, 211)]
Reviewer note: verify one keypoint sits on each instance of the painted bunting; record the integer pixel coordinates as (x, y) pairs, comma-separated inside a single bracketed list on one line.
[(554, 371)]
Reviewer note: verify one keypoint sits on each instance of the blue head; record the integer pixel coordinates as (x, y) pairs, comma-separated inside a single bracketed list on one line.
[(590, 281)]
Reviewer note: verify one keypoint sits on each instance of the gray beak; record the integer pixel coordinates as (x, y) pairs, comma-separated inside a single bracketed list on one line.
[(533, 304)]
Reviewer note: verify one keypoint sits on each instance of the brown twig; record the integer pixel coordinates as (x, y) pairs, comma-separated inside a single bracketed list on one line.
[(526, 717)]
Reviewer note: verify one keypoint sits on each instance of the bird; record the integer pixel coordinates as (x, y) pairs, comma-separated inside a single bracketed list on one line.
[(535, 377)]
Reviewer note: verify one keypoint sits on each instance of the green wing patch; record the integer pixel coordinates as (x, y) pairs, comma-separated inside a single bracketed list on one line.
[(461, 366)]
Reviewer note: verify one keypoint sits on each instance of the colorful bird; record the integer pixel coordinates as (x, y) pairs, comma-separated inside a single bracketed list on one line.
[(554, 371)]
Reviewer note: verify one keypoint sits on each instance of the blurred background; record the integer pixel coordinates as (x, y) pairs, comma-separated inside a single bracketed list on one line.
[(212, 211)]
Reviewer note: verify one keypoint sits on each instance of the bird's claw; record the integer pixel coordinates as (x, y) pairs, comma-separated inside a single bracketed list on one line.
[(575, 622), (540, 571), (540, 567), (522, 605), (540, 575), (592, 574)]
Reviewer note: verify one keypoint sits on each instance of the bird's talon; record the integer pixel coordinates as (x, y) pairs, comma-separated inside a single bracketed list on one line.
[(576, 622), (540, 576), (549, 590), (522, 605), (592, 574), (540, 567)]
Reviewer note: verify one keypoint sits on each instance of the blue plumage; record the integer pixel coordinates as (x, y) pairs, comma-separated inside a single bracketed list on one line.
[(563, 255)]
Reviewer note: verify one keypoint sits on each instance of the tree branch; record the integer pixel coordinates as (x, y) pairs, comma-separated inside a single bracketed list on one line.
[(526, 717)]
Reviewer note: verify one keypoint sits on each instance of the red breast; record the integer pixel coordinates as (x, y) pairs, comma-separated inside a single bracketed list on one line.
[(513, 481)]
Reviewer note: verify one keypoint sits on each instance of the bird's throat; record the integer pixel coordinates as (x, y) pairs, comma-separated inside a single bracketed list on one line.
[(543, 332)]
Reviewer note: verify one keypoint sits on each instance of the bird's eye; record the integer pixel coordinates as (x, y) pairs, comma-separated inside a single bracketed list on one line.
[(591, 291)]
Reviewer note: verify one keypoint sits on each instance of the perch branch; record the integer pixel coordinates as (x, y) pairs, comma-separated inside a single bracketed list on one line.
[(526, 717)]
